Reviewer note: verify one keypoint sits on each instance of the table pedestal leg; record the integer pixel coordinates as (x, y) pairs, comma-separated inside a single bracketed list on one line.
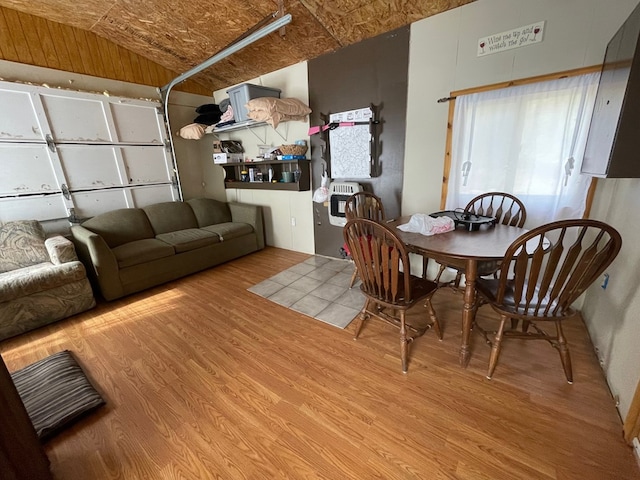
[(468, 311)]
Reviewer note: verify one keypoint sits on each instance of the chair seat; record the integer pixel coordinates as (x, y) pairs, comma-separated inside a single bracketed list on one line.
[(489, 289), (421, 288)]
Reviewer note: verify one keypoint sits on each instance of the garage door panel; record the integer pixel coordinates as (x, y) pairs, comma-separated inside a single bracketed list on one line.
[(26, 169), (144, 196), (138, 124), (89, 204), (72, 155), (78, 120), (104, 166), (21, 124), (95, 166), (40, 208), (147, 164)]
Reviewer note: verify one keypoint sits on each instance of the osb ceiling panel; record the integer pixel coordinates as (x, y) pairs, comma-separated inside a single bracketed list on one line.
[(180, 34)]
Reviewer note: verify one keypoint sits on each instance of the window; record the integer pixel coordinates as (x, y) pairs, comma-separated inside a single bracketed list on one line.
[(527, 140)]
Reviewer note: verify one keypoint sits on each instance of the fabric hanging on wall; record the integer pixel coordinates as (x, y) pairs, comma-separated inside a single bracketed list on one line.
[(351, 145), (527, 140)]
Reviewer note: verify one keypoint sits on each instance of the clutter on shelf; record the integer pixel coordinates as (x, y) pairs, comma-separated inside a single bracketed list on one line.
[(295, 150), (193, 131), (227, 151), (276, 110), (208, 114), (246, 103)]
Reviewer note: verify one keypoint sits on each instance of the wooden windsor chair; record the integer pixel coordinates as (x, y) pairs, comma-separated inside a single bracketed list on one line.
[(363, 205), (390, 289), (543, 272)]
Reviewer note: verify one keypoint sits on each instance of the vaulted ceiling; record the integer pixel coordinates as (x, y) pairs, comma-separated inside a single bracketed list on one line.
[(180, 34)]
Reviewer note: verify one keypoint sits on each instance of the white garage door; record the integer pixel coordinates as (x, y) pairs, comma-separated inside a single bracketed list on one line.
[(67, 155)]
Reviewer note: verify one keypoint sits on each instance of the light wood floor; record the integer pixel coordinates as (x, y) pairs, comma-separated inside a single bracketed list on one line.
[(206, 380)]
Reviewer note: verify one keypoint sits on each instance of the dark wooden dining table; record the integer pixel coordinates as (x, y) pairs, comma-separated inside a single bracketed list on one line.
[(464, 249)]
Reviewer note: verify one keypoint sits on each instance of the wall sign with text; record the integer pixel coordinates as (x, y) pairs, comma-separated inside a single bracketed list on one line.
[(516, 38)]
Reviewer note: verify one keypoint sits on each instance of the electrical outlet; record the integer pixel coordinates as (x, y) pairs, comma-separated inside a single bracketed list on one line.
[(293, 221)]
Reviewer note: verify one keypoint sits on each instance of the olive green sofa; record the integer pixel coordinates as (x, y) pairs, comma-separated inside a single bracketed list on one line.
[(132, 249)]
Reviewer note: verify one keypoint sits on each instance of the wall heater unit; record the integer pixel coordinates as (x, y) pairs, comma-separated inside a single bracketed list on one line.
[(339, 192)]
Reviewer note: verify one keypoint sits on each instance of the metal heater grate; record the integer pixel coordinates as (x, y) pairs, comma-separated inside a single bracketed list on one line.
[(339, 192)]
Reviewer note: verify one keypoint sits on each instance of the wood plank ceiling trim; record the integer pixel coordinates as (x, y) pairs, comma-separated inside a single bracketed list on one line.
[(37, 41)]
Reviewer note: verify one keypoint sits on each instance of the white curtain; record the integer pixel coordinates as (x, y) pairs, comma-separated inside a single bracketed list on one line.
[(527, 140)]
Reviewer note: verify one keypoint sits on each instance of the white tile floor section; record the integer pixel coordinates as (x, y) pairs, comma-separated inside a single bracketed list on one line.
[(317, 287)]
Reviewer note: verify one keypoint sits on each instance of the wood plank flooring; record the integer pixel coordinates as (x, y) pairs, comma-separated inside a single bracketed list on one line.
[(204, 380)]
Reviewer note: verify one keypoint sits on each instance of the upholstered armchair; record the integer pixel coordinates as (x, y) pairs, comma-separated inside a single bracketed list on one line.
[(41, 279)]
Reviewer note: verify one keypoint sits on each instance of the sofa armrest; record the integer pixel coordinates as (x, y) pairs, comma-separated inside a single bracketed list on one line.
[(60, 250), (99, 260), (251, 214)]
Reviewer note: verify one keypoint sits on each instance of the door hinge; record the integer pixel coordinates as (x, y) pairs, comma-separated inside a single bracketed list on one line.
[(65, 191), (72, 216), (50, 143)]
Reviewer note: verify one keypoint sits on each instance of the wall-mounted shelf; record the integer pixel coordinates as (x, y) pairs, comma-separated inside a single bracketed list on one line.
[(250, 125), (232, 175)]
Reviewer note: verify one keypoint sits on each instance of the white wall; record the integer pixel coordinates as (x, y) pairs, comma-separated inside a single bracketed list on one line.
[(443, 59), (612, 315), (198, 177), (281, 208)]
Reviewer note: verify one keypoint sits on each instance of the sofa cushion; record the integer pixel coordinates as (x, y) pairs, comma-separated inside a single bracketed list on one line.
[(141, 251), (22, 245), (229, 230), (38, 278), (170, 217), (209, 211), (189, 239), (121, 226), (55, 392)]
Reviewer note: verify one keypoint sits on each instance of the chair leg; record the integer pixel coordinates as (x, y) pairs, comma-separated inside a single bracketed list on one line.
[(425, 264), (362, 316), (404, 347), (565, 358), (354, 276), (434, 319), (495, 348), (437, 279), (456, 282)]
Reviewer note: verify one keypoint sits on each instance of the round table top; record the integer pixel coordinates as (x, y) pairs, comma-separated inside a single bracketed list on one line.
[(487, 243)]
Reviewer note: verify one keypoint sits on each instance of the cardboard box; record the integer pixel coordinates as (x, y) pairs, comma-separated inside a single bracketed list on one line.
[(227, 157)]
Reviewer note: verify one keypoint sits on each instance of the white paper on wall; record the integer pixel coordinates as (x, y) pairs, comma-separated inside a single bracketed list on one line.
[(350, 145)]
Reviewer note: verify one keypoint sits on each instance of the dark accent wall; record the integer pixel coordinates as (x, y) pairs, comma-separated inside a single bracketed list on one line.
[(373, 71)]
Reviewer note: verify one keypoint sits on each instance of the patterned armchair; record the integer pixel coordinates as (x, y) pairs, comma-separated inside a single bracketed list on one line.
[(41, 279)]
